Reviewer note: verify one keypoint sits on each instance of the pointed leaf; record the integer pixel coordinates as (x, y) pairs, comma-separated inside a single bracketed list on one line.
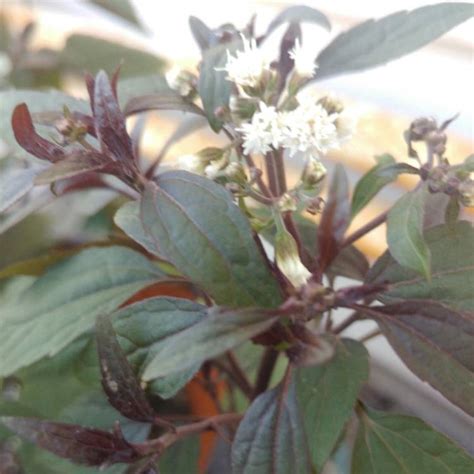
[(63, 303), (110, 121), (395, 443), (203, 35), (297, 14), (14, 184), (335, 218), (144, 327), (119, 382), (383, 173), (405, 233), (219, 331), (328, 393), (436, 343), (78, 444), (197, 227), (452, 270), (122, 8), (271, 439), (376, 42)]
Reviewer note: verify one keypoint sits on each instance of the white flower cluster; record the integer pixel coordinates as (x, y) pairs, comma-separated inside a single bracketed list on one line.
[(309, 129), (246, 68), (305, 64)]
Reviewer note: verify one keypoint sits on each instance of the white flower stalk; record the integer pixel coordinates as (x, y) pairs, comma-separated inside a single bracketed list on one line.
[(246, 68), (180, 80), (288, 259), (304, 59), (192, 163), (263, 132)]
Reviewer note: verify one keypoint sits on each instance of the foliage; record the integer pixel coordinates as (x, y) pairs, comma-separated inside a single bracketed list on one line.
[(190, 303)]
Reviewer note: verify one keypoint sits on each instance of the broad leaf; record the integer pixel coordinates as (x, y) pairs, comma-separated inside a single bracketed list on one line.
[(118, 379), (376, 42), (14, 184), (213, 87), (164, 101), (37, 102), (87, 446), (335, 219), (298, 14), (131, 87), (405, 233), (452, 270), (389, 444), (271, 439), (217, 332), (436, 343), (143, 329), (384, 172), (328, 394), (197, 227), (91, 53), (64, 302)]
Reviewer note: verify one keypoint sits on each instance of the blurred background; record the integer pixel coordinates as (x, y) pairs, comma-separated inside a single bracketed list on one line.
[(70, 36)]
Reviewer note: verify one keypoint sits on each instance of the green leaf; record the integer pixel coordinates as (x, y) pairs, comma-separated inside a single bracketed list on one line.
[(92, 54), (63, 303), (143, 329), (213, 87), (128, 219), (270, 438), (383, 173), (182, 457), (392, 444), (122, 8), (376, 42), (163, 101), (328, 394), (197, 227), (14, 184), (452, 270), (37, 102), (436, 343), (217, 332), (297, 14), (405, 233), (203, 35), (130, 87)]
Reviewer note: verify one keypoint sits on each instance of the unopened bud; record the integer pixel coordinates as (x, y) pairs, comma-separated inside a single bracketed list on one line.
[(288, 259), (242, 108), (314, 172), (466, 193), (198, 162), (287, 202), (235, 173), (331, 104), (437, 141), (182, 81), (70, 128), (420, 128)]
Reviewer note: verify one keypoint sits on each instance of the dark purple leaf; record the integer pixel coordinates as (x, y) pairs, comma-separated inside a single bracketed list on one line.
[(335, 219), (110, 121), (285, 62), (88, 446), (73, 165), (165, 101), (120, 384), (436, 343), (28, 139)]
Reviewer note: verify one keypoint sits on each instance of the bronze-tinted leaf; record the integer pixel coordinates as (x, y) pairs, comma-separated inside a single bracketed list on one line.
[(88, 446)]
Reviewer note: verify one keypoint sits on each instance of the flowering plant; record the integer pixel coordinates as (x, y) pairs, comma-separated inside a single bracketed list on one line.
[(221, 278)]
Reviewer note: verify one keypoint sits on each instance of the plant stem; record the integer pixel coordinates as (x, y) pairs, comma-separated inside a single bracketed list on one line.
[(244, 382), (272, 174), (374, 333), (280, 170), (355, 316), (265, 371), (160, 444), (365, 229)]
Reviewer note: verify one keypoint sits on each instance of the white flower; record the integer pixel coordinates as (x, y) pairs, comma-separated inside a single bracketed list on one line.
[(215, 167), (263, 132), (288, 260), (179, 80), (345, 125), (309, 129), (245, 69), (191, 163), (305, 65)]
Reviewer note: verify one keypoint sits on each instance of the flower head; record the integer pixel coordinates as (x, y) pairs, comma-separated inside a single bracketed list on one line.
[(191, 163), (263, 131), (180, 80), (245, 69), (305, 65)]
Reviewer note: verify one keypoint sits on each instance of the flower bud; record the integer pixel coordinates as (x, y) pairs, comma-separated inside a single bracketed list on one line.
[(331, 104), (197, 163), (72, 129), (235, 173), (313, 173), (420, 128), (287, 202), (242, 108), (466, 193), (182, 81), (288, 259)]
